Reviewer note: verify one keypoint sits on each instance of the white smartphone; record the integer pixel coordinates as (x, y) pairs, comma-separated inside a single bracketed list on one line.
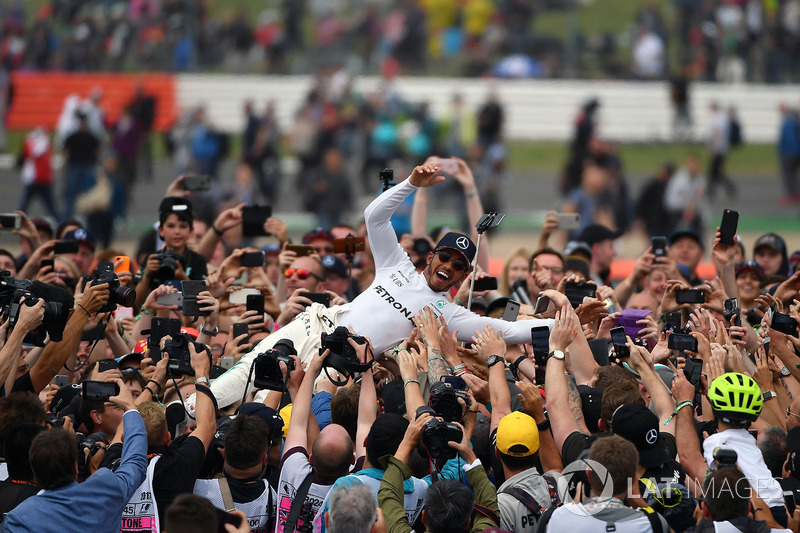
[(171, 298), (568, 220), (226, 362), (123, 312), (240, 297), (449, 165)]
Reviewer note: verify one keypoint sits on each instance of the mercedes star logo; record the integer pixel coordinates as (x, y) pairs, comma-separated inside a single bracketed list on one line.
[(462, 243), (651, 437)]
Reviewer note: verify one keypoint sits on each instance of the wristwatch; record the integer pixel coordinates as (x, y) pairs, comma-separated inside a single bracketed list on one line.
[(494, 359), (768, 395), (785, 371), (514, 367), (212, 333), (202, 380), (557, 354)]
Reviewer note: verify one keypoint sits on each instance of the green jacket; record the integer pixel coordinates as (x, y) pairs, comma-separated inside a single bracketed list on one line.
[(390, 497)]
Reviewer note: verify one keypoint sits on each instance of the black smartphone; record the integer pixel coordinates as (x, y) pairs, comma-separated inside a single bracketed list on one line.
[(224, 517), (61, 381), (301, 249), (253, 218), (690, 296), (576, 291), (196, 182), (106, 364), (659, 246), (619, 340), (241, 328), (319, 297), (682, 342), (99, 390), (485, 284), (456, 382), (47, 263), (540, 338), (190, 289), (66, 247), (255, 302), (692, 369), (783, 323), (511, 311), (160, 328), (11, 221), (542, 303), (97, 332), (730, 307), (599, 349), (766, 343), (672, 321), (728, 226), (252, 259)]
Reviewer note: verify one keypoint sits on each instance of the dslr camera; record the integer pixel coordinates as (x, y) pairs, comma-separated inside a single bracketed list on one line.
[(117, 294), (180, 358), (55, 313), (343, 357), (170, 262), (444, 400), (725, 457), (435, 436), (267, 368)]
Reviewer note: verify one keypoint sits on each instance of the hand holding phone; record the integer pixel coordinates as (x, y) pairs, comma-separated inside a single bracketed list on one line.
[(620, 341)]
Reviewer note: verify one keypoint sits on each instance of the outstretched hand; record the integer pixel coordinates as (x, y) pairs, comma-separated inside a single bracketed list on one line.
[(425, 176)]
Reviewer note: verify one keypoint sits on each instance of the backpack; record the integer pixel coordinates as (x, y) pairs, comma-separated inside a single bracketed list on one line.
[(535, 507)]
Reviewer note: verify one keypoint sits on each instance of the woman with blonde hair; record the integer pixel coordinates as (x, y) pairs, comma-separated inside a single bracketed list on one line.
[(515, 267)]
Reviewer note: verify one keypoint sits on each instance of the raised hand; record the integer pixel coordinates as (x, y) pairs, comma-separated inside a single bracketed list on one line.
[(425, 176)]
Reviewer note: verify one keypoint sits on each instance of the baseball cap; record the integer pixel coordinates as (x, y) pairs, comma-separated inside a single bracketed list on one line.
[(317, 234), (686, 232), (42, 224), (177, 205), (497, 304), (639, 425), (594, 233), (80, 235), (459, 243), (133, 357), (770, 240), (577, 247), (271, 249), (591, 402), (265, 413), (334, 265), (517, 435), (576, 263), (63, 397), (394, 399), (750, 266)]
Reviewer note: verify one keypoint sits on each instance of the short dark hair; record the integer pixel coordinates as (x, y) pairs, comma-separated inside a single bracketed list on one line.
[(606, 375), (344, 409), (53, 456), (19, 408), (544, 251), (246, 441), (448, 506), (385, 436), (191, 514), (616, 394), (85, 412), (16, 450), (773, 449), (8, 254), (519, 463), (619, 457), (726, 493)]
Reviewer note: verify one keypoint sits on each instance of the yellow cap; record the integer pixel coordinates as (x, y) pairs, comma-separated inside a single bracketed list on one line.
[(517, 435)]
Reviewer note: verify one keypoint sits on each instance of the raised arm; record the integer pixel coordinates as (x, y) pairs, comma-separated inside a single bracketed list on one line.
[(205, 412), (664, 405), (487, 344), (297, 436), (367, 399), (29, 318)]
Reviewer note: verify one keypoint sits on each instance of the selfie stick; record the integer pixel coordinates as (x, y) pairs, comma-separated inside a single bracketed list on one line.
[(487, 221)]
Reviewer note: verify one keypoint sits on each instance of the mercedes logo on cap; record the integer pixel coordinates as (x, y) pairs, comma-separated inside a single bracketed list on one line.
[(651, 437), (462, 243)]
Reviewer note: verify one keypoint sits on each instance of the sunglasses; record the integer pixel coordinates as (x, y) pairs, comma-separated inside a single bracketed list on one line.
[(446, 257), (302, 273)]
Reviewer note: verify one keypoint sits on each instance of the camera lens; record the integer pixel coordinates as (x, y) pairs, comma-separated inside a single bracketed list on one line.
[(124, 296)]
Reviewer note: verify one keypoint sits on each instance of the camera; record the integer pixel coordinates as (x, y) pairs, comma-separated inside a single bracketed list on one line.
[(444, 400), (267, 369), (170, 262), (56, 307), (117, 294), (730, 307), (725, 456), (180, 358), (343, 357), (435, 436)]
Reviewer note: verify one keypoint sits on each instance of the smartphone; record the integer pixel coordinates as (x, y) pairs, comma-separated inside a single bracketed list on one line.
[(619, 340), (783, 323), (351, 244), (240, 297), (730, 307), (672, 321), (61, 381), (766, 343), (319, 297), (241, 328), (599, 349), (728, 226), (485, 284), (568, 220), (456, 382), (160, 328), (196, 182), (224, 517), (682, 342), (252, 259), (124, 264), (253, 218), (99, 391), (106, 364), (576, 291), (123, 312), (690, 296), (190, 289), (11, 221), (255, 302), (542, 303), (449, 165), (300, 249), (47, 263), (659, 246), (226, 362), (693, 369), (540, 338), (172, 298), (66, 247), (511, 311)]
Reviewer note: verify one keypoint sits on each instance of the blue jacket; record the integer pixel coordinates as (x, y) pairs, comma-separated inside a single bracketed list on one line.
[(789, 141), (97, 503)]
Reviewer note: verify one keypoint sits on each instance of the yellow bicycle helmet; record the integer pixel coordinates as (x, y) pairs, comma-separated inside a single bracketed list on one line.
[(735, 398)]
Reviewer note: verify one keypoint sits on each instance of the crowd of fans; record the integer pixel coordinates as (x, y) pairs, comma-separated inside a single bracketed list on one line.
[(351, 381), (723, 40)]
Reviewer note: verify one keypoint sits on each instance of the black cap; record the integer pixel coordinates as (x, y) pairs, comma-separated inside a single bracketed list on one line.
[(459, 243), (80, 235), (639, 425), (770, 240), (686, 232), (63, 398), (265, 413), (394, 399), (334, 265), (594, 233), (177, 205)]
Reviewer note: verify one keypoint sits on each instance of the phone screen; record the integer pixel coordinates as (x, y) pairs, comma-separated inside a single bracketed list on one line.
[(659, 245), (540, 338), (485, 284), (241, 328), (619, 340)]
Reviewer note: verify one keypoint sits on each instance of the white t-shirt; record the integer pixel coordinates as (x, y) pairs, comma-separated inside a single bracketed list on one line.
[(294, 469)]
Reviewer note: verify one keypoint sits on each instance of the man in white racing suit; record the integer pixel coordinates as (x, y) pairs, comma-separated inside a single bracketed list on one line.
[(384, 311)]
